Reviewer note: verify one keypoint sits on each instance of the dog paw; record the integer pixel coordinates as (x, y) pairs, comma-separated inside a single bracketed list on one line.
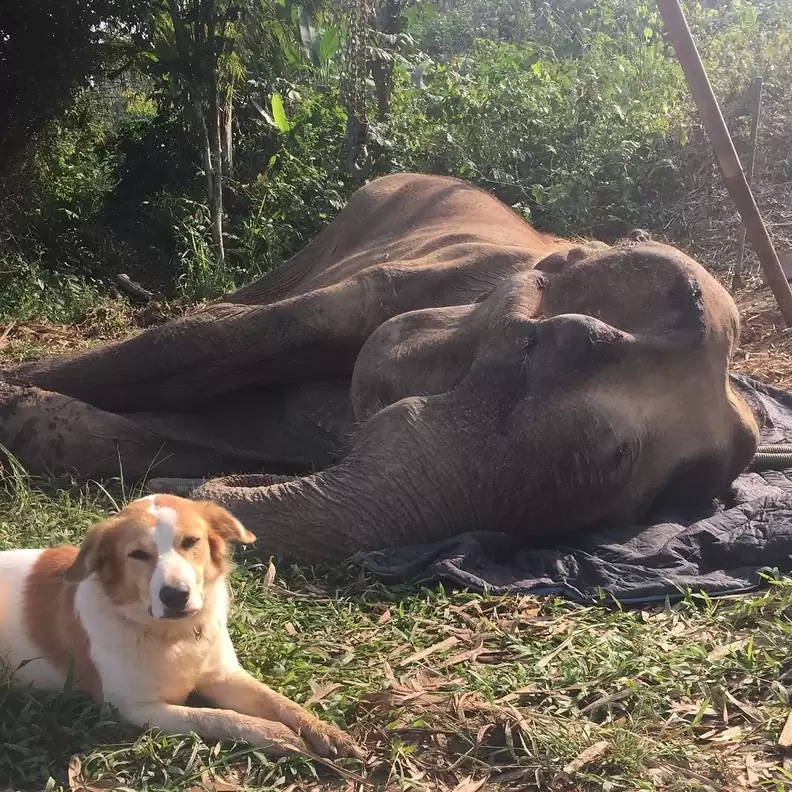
[(278, 740), (327, 740)]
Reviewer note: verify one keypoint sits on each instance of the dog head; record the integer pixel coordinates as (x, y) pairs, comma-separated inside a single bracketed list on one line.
[(160, 555)]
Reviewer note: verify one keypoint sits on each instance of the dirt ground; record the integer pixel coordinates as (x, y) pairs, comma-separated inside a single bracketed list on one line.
[(765, 350)]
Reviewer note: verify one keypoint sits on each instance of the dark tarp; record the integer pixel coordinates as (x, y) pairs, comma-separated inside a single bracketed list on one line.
[(746, 536)]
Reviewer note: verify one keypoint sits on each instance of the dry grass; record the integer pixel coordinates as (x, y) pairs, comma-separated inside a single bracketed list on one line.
[(765, 350)]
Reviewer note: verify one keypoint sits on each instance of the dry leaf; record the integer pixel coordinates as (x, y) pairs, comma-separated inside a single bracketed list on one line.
[(269, 578), (321, 692), (722, 651), (467, 784), (424, 653), (586, 757), (785, 738), (290, 629), (385, 618), (76, 783)]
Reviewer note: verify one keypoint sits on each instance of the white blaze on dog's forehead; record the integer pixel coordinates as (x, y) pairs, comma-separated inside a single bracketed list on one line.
[(167, 519), (172, 568)]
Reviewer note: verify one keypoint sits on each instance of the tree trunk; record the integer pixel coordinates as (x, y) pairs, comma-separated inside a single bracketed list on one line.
[(216, 198), (227, 139), (202, 133)]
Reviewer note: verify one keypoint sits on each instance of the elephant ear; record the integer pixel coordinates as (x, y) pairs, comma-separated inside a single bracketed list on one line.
[(555, 262)]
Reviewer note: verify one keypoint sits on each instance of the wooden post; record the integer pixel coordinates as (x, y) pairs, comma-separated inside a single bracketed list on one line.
[(756, 109), (700, 88)]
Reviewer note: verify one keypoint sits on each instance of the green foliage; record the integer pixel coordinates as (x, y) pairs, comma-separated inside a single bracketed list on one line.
[(575, 142), (29, 292), (577, 115)]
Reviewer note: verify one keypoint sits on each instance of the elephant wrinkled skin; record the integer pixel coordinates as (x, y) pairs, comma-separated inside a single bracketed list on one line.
[(429, 365)]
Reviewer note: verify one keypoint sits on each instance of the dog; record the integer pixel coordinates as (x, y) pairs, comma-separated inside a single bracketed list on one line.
[(137, 617)]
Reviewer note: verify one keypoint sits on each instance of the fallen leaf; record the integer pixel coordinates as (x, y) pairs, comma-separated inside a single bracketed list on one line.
[(587, 756), (321, 692), (76, 783), (424, 653), (290, 629), (385, 618), (785, 738), (467, 784), (269, 578)]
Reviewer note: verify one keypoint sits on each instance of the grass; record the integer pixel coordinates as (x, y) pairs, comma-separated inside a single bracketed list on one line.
[(449, 691), (517, 693)]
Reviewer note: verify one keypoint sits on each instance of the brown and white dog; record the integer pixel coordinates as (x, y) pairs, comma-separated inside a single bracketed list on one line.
[(137, 617)]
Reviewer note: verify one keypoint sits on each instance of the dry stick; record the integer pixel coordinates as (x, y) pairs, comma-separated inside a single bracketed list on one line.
[(737, 282), (711, 116)]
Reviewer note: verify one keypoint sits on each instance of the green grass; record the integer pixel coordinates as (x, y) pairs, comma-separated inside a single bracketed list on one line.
[(516, 689), (447, 690)]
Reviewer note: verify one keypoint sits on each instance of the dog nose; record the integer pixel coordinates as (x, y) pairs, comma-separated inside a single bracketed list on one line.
[(174, 597)]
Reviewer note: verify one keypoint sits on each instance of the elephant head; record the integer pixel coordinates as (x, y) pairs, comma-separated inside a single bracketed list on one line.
[(592, 388)]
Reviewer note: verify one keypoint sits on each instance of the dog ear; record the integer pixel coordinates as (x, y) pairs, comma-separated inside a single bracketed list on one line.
[(225, 525), (93, 553)]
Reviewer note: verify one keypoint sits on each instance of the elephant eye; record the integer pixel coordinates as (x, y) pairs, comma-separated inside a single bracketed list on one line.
[(188, 542), (139, 555)]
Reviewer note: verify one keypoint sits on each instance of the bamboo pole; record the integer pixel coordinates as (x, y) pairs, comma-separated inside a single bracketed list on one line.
[(712, 118), (756, 110)]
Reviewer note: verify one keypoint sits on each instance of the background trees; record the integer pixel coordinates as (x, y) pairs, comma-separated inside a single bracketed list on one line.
[(194, 144)]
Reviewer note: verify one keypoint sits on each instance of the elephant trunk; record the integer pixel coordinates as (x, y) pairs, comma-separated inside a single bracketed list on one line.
[(326, 517)]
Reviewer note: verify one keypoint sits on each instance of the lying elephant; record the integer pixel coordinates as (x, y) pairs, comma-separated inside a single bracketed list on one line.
[(444, 366)]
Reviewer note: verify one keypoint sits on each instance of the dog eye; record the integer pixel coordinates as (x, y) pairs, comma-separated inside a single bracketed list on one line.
[(188, 542), (139, 555)]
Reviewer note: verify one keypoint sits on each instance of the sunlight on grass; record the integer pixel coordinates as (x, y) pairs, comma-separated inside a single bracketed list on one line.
[(527, 693)]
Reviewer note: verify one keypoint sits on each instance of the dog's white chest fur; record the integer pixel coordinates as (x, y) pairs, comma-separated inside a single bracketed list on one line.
[(157, 665)]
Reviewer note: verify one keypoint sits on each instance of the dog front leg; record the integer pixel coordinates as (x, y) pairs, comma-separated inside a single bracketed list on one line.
[(273, 737), (237, 690)]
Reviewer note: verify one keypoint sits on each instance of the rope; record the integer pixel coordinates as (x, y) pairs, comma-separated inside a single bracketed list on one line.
[(772, 457)]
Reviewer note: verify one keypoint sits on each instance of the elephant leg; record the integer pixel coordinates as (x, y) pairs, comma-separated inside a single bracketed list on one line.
[(50, 433), (207, 355), (186, 486), (226, 348)]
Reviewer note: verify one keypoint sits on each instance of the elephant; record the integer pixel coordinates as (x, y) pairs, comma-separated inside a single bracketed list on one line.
[(430, 364)]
